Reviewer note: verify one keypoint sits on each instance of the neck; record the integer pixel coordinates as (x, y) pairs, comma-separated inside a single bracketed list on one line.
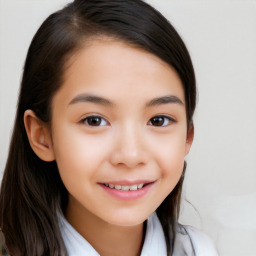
[(107, 239)]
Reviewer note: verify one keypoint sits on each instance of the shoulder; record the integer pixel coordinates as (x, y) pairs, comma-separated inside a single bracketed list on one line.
[(193, 242)]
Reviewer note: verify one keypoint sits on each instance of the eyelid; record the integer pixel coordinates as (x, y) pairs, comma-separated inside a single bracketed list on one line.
[(84, 120), (166, 117)]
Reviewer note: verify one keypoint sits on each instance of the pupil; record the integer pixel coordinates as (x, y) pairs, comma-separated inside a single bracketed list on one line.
[(95, 121), (158, 121)]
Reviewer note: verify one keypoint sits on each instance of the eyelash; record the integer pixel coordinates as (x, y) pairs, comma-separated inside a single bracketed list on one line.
[(87, 119), (164, 121)]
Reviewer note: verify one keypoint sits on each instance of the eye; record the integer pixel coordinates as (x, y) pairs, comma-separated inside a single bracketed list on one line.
[(160, 121), (94, 121)]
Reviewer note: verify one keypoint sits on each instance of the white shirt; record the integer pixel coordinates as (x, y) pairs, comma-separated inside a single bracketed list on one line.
[(189, 241)]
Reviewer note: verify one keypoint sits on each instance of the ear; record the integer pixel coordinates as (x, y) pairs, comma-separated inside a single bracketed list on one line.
[(190, 137), (39, 136)]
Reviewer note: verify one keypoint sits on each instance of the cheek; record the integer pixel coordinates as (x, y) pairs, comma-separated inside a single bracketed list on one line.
[(77, 152), (171, 156)]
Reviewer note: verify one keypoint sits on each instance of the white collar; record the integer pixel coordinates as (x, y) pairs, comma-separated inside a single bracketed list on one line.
[(76, 245)]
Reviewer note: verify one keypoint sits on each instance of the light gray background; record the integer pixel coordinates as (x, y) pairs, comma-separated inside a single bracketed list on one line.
[(221, 175)]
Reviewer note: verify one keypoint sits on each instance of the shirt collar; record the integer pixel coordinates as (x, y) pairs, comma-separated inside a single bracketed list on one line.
[(154, 243)]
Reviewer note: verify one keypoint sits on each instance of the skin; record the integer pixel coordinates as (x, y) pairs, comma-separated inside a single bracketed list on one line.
[(126, 144)]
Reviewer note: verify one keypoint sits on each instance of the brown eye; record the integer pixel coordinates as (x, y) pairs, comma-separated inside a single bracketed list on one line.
[(160, 121), (94, 121)]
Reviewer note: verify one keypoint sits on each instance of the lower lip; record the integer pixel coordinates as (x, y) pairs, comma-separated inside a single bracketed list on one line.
[(128, 195)]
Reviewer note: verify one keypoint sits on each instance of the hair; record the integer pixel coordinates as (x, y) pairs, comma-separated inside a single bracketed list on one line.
[(32, 192)]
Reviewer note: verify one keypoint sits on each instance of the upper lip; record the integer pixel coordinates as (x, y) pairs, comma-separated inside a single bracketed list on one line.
[(128, 182)]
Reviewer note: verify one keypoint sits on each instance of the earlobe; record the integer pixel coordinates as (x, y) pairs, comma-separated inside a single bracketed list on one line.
[(39, 136), (190, 137)]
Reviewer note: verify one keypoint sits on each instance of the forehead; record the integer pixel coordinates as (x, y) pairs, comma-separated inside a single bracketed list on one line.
[(111, 67)]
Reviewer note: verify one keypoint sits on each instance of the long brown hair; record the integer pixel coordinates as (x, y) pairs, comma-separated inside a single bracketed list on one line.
[(32, 192)]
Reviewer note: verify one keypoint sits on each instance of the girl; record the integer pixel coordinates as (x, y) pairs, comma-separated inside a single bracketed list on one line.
[(104, 121)]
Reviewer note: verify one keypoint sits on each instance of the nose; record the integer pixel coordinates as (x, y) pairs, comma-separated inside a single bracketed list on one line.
[(129, 148)]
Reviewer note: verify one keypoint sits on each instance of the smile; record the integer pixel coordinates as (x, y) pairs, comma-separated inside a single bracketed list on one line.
[(124, 187), (124, 190)]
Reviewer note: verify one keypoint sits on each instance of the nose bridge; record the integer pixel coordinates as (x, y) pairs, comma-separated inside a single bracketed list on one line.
[(129, 146)]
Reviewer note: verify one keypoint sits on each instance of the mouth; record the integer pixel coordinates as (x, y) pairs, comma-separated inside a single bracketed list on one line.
[(126, 190), (126, 187)]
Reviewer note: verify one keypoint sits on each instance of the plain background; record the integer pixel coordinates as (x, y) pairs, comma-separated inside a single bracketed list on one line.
[(220, 183)]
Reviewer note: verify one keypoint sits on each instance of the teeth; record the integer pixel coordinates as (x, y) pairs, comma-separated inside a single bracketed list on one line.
[(140, 185), (125, 187), (119, 187), (134, 187)]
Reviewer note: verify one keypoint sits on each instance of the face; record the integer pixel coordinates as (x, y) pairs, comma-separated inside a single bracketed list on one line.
[(119, 133)]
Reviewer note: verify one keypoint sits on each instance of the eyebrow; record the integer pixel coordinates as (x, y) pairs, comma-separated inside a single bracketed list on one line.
[(91, 98), (105, 102), (164, 100)]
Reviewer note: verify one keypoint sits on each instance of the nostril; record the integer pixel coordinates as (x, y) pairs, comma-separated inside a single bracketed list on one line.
[(126, 159)]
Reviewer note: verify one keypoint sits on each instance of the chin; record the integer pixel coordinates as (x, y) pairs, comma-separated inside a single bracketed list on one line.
[(127, 219)]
